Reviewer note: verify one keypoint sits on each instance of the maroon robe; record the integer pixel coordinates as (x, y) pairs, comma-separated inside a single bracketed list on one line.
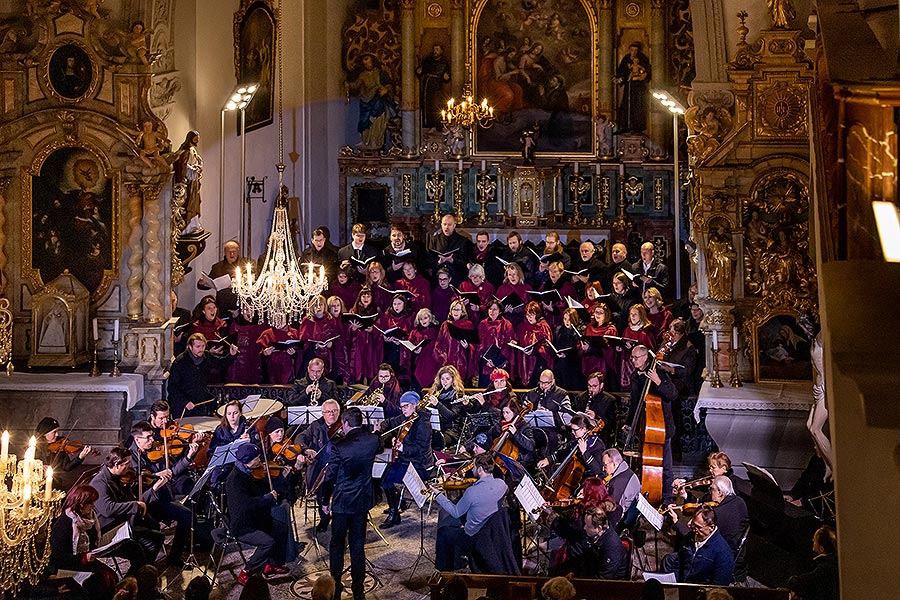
[(516, 316), (381, 298), (440, 302), (394, 354), (366, 351), (321, 329), (527, 334), (449, 351), (557, 307), (659, 322), (280, 365), (606, 360), (247, 365), (347, 293), (392, 392), (498, 332), (426, 366), (421, 290), (341, 353), (485, 292), (626, 367)]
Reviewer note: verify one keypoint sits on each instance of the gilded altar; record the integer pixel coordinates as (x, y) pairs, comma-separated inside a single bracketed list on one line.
[(529, 193)]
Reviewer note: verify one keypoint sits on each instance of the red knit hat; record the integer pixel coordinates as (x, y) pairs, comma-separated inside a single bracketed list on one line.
[(499, 374)]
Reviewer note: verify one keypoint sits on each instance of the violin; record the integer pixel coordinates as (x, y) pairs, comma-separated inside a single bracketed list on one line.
[(693, 483), (405, 428), (336, 431), (64, 444), (289, 452), (176, 448), (176, 431), (688, 508), (261, 472), (147, 478)]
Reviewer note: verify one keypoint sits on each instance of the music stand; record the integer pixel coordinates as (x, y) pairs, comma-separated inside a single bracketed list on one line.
[(541, 418), (435, 419), (303, 415), (372, 415)]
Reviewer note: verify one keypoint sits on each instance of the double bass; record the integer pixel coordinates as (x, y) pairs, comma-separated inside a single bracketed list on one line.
[(654, 439)]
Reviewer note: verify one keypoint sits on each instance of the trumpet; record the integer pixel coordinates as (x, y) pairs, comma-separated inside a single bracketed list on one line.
[(315, 394)]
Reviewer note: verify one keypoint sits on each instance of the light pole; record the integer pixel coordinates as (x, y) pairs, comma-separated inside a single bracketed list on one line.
[(239, 99), (676, 108)]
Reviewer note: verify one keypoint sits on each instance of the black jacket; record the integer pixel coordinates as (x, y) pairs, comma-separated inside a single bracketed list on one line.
[(603, 557), (116, 503), (417, 443), (666, 390), (249, 504), (437, 243), (604, 407), (658, 271), (819, 584), (61, 554), (299, 397), (187, 381), (555, 400), (350, 471)]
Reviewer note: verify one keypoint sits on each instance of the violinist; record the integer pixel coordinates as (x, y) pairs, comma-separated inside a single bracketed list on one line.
[(412, 446), (596, 403), (521, 435), (660, 385), (163, 426), (118, 502), (589, 447), (286, 463), (315, 388), (623, 485), (317, 441), (47, 434), (161, 504), (250, 516), (732, 517)]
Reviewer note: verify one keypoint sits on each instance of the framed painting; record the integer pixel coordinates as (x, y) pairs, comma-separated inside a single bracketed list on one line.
[(781, 349), (69, 213), (254, 58), (69, 73), (536, 65)]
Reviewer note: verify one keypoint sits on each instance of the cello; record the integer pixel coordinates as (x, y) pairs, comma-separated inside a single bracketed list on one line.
[(654, 440), (562, 484), (503, 444)]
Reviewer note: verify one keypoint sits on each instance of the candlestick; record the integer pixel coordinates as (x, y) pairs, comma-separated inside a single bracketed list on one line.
[(95, 370), (115, 370), (96, 334), (578, 186), (48, 485), (735, 380), (715, 340), (716, 380), (116, 330), (4, 447), (486, 188)]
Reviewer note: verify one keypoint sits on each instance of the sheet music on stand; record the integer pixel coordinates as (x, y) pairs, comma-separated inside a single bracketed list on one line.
[(660, 577), (111, 539), (540, 418), (303, 415), (530, 497), (372, 415), (435, 419), (651, 514), (382, 460), (221, 456), (415, 485)]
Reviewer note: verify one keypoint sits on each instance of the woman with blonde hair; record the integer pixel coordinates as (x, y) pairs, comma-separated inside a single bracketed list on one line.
[(514, 283), (449, 347), (660, 316), (447, 389), (424, 364)]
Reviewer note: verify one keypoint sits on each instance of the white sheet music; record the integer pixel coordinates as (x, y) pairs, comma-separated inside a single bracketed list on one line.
[(530, 497), (79, 576), (540, 417), (651, 514), (660, 577), (415, 485), (381, 462), (113, 537)]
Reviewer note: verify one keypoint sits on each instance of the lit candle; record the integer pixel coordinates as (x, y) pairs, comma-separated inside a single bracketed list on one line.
[(484, 165), (96, 334), (26, 500), (31, 445), (116, 331), (322, 273), (715, 340), (734, 337), (4, 447), (459, 165), (48, 485), (237, 278), (576, 167), (437, 165), (249, 276)]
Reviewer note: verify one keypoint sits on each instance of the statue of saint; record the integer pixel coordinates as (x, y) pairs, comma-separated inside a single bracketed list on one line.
[(633, 75), (782, 12), (720, 257), (528, 139), (189, 171), (434, 72), (54, 331), (373, 87)]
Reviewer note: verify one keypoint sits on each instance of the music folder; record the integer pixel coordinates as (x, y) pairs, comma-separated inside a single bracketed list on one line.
[(511, 301), (364, 321), (472, 297), (461, 333), (395, 332), (287, 345), (495, 355), (548, 297), (413, 347)]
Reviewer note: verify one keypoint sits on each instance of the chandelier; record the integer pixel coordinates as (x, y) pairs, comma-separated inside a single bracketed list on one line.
[(27, 509), (467, 113), (284, 289)]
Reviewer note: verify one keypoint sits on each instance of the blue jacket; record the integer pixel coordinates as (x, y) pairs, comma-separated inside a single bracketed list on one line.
[(711, 564)]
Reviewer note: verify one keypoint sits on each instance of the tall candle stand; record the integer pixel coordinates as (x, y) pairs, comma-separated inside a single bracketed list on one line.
[(434, 189), (458, 195), (602, 202), (578, 185), (486, 188), (735, 380), (621, 222), (716, 380), (115, 370), (95, 370)]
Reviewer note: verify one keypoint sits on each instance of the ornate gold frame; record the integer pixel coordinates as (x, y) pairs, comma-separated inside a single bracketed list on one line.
[(96, 70), (763, 313), (247, 8), (34, 275)]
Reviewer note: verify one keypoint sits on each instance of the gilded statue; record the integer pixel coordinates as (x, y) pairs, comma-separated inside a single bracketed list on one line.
[(720, 257), (782, 12)]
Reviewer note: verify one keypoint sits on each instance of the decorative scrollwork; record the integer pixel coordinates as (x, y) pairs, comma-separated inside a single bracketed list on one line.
[(781, 110), (681, 49)]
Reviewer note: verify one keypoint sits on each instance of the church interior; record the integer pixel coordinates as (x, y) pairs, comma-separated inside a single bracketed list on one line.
[(752, 147)]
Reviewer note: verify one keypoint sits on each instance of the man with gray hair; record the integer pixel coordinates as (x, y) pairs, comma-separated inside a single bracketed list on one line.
[(731, 512), (623, 486)]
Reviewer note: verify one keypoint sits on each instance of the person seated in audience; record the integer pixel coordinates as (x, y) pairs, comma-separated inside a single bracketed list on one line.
[(418, 285), (517, 252), (558, 588), (822, 582), (554, 251), (485, 255), (320, 253), (448, 249), (659, 315), (385, 391), (365, 343), (376, 278), (190, 374), (322, 333), (599, 405), (199, 588), (46, 433), (476, 283), (323, 588), (73, 536), (639, 334), (250, 516), (442, 295), (148, 583), (650, 270), (533, 334), (315, 388), (597, 355), (623, 485), (566, 340), (345, 286), (280, 363), (398, 315), (425, 366), (398, 253), (514, 284), (316, 441), (360, 251), (246, 367), (706, 558), (449, 350), (494, 331)]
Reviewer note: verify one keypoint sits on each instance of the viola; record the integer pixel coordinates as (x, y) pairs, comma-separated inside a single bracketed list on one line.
[(130, 478), (688, 508), (336, 430), (177, 431), (289, 452), (405, 428), (64, 444)]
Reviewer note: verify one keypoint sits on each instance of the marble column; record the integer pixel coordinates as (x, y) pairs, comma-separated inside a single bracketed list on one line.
[(134, 283), (408, 73), (457, 48), (658, 60), (155, 305), (606, 57)]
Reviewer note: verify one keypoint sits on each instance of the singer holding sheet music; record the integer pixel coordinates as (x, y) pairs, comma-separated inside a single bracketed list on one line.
[(279, 357), (455, 341), (494, 334), (651, 272), (357, 254), (447, 248), (321, 333), (532, 355)]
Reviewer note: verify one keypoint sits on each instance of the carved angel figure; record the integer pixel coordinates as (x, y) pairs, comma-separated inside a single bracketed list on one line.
[(782, 12)]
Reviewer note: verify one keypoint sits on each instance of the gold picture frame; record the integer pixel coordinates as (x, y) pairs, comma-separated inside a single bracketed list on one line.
[(70, 74)]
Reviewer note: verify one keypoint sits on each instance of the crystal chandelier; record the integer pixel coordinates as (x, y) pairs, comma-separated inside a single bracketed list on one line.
[(467, 113), (284, 289), (27, 509)]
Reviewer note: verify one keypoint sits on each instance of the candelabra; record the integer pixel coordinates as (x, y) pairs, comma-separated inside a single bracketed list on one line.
[(735, 380), (578, 185), (467, 113), (28, 507), (716, 380), (486, 188), (458, 195), (95, 370), (115, 370), (602, 202), (621, 221), (434, 189)]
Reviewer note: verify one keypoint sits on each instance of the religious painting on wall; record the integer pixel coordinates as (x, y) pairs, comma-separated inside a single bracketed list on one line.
[(782, 350), (69, 207), (70, 72), (535, 64), (254, 59)]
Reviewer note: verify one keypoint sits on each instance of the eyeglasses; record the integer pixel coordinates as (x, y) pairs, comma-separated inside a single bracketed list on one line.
[(331, 412), (638, 356), (545, 381)]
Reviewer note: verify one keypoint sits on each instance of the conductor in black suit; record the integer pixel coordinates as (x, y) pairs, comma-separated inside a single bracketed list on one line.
[(350, 472)]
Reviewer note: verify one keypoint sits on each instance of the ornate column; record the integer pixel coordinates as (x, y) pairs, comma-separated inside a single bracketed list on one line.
[(408, 73), (658, 117), (134, 284), (155, 305), (457, 48), (4, 187), (606, 57)]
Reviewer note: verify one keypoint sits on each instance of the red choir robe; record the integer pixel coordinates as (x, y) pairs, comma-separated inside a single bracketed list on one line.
[(626, 367), (485, 292), (606, 360), (321, 329), (394, 354), (557, 307), (280, 365), (659, 322), (440, 302), (246, 367), (426, 366), (421, 290), (382, 297), (449, 351), (347, 293), (366, 351), (516, 316), (527, 334), (341, 353), (491, 332)]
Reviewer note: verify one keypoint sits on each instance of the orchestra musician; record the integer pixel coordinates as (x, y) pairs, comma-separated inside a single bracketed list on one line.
[(706, 558), (284, 482), (385, 391), (718, 464), (623, 485), (413, 425), (315, 388), (445, 395), (46, 433), (317, 441), (493, 401), (521, 434), (590, 448), (595, 551), (118, 501), (596, 403), (732, 518), (189, 374), (478, 504), (250, 516), (352, 459), (232, 427), (549, 396), (160, 419)]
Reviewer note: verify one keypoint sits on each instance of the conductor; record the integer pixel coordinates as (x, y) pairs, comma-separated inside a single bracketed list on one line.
[(350, 473)]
